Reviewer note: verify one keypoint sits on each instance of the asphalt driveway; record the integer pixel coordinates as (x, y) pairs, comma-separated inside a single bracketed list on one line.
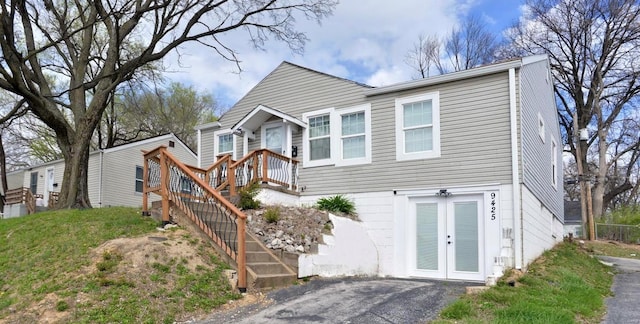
[(624, 305), (350, 300)]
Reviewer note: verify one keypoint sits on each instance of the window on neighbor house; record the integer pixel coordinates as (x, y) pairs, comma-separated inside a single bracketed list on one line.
[(554, 163), (418, 127), (33, 185), (338, 137), (139, 178)]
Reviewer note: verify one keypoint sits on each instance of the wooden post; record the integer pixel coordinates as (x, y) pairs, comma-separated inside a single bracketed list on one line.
[(164, 186), (241, 256), (265, 166), (145, 185), (231, 176)]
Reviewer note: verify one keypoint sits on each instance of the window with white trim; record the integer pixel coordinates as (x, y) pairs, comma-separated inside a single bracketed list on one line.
[(320, 137), (541, 132), (554, 163), (418, 127), (338, 137), (224, 143)]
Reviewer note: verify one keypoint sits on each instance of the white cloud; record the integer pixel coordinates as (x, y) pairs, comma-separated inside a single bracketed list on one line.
[(365, 43)]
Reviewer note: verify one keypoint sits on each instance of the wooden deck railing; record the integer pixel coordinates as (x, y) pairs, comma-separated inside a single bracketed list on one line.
[(21, 196), (264, 166), (188, 188)]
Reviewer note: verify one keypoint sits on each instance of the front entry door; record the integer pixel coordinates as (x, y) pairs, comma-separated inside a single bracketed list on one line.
[(275, 138), (447, 236)]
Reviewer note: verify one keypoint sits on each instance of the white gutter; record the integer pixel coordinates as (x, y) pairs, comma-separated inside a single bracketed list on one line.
[(517, 214), (199, 140), (461, 75)]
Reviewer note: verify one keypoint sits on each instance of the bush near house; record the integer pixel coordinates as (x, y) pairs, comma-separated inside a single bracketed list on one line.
[(337, 203)]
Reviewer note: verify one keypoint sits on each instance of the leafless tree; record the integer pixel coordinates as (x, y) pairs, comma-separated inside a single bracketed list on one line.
[(594, 52), (65, 58), (469, 45)]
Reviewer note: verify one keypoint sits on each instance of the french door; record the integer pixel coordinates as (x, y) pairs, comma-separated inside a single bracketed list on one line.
[(447, 237)]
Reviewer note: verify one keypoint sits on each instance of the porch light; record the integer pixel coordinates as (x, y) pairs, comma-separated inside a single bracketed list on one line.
[(443, 193), (238, 132)]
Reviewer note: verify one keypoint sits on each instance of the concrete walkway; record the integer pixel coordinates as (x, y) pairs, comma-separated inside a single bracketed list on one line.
[(350, 300), (624, 306)]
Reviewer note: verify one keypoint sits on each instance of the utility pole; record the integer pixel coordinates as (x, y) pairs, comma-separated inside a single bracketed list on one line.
[(586, 203)]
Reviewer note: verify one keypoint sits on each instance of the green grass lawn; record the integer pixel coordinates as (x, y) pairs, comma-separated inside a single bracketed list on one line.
[(46, 258), (564, 285)]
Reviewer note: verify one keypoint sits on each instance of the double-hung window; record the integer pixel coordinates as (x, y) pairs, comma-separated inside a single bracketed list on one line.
[(418, 127), (224, 143), (338, 137), (320, 138)]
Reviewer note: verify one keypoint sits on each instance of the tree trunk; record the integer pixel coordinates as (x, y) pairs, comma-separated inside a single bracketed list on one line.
[(75, 191), (3, 175)]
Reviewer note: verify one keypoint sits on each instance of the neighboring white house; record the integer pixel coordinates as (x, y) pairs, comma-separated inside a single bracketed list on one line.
[(114, 175), (455, 176)]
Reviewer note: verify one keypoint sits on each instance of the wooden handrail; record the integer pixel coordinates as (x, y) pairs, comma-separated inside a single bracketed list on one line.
[(165, 159)]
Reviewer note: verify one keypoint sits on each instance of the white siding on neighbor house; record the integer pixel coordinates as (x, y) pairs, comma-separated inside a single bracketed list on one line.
[(14, 180), (475, 143), (540, 229), (119, 170), (538, 100), (58, 173), (93, 179)]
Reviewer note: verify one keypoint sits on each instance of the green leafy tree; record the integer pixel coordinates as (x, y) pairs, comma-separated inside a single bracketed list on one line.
[(143, 113), (66, 58)]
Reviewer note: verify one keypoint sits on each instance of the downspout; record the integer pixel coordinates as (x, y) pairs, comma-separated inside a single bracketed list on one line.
[(199, 148), (515, 174), (100, 180)]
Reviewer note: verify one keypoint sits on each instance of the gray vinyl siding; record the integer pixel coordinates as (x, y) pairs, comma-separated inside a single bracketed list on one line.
[(474, 124), (206, 146), (119, 171), (537, 97), (475, 143)]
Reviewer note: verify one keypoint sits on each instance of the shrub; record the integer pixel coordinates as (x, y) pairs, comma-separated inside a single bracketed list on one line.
[(248, 196), (337, 203), (272, 215)]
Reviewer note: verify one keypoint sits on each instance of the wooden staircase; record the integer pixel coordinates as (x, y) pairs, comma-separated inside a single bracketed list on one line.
[(264, 268)]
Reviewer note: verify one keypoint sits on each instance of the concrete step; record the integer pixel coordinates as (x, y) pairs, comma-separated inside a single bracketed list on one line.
[(267, 268), (258, 256), (274, 280)]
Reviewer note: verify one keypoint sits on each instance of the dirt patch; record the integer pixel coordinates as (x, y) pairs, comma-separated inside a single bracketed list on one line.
[(135, 259)]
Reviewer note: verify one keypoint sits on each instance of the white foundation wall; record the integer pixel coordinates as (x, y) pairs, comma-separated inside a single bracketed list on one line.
[(348, 252), (540, 229), (375, 211)]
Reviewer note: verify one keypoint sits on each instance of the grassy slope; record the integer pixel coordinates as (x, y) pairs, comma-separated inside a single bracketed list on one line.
[(565, 285), (43, 253)]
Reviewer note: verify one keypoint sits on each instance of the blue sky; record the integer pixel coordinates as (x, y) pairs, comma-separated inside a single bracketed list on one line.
[(364, 43)]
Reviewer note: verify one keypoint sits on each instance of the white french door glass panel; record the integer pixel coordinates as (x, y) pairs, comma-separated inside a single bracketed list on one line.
[(275, 139), (466, 236), (445, 235), (427, 236)]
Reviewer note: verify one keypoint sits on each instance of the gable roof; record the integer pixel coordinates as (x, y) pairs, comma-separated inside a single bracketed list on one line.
[(261, 114)]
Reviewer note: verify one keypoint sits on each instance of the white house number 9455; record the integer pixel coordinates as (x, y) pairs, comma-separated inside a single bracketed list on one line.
[(493, 206)]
